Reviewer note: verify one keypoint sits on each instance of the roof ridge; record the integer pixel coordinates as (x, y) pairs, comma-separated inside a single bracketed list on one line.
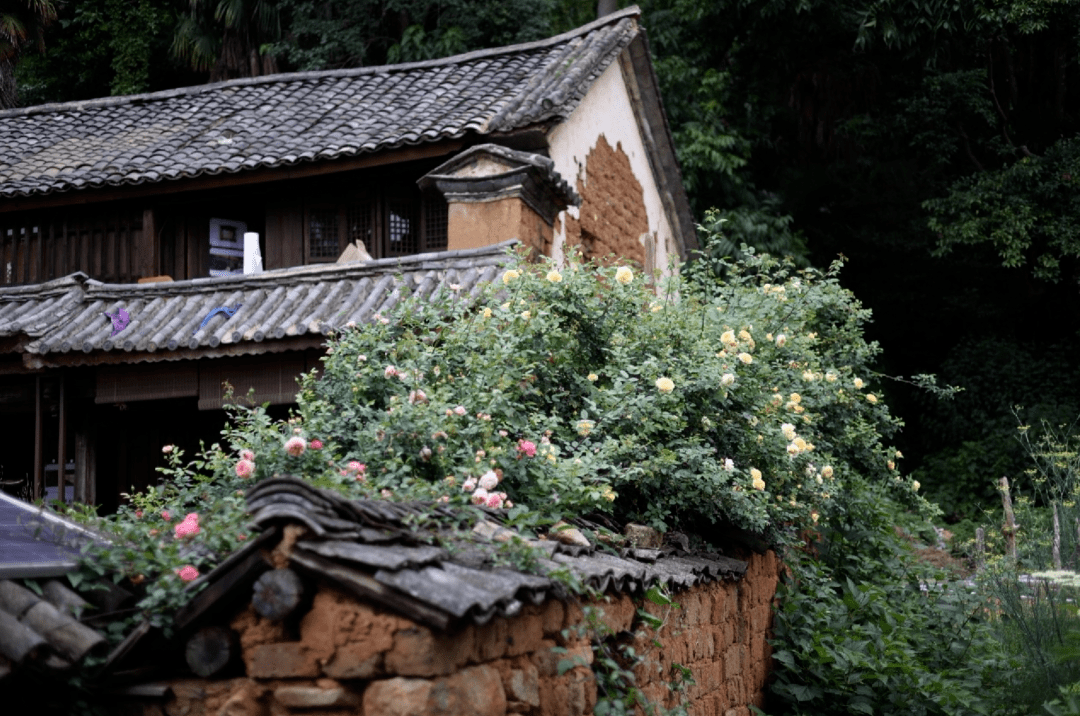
[(387, 266), (79, 105)]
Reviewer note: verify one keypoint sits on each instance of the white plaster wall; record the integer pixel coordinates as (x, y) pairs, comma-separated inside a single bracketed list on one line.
[(606, 110)]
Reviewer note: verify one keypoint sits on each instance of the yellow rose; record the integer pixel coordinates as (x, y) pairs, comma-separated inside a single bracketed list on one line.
[(858, 383), (915, 484), (487, 313), (554, 276), (510, 276), (665, 385), (830, 377), (727, 379), (872, 398), (808, 375), (593, 377), (727, 337), (526, 315), (795, 398), (624, 275), (746, 358), (756, 482), (827, 471)]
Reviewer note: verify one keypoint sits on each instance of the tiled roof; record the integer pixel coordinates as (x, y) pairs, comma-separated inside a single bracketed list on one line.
[(40, 630), (43, 631), (292, 118), (67, 316), (355, 542)]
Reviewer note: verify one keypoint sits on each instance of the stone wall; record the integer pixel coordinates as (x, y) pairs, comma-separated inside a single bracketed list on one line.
[(346, 657)]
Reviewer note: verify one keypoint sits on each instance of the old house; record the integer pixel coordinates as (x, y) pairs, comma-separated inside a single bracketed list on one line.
[(123, 306)]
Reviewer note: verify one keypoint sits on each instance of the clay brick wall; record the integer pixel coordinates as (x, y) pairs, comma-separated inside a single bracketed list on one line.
[(346, 657), (612, 212)]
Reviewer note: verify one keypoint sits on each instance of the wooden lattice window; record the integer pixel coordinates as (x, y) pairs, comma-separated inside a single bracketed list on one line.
[(435, 221), (324, 239)]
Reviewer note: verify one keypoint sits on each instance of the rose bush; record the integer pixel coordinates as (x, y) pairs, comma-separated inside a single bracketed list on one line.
[(684, 404)]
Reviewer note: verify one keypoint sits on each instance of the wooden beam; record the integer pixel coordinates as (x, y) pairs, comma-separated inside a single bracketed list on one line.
[(39, 483), (33, 362), (61, 458), (253, 176)]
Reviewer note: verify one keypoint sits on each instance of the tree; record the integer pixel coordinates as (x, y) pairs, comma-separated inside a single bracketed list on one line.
[(230, 38), (22, 24)]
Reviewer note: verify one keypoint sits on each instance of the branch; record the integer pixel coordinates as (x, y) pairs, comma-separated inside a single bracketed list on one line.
[(967, 146)]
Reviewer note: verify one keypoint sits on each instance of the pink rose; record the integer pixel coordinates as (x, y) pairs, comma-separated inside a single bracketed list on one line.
[(295, 446), (357, 466), (138, 514), (245, 468), (187, 528), (417, 396), (480, 496), (247, 455), (527, 448), (469, 485), (241, 537), (188, 573), (494, 501), (165, 515), (387, 494), (390, 371), (460, 410), (316, 444)]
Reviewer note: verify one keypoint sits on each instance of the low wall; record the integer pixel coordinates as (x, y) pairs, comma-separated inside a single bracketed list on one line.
[(348, 657)]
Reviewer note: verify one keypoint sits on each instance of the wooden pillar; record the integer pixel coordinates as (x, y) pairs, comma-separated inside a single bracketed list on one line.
[(85, 458), (61, 457), (39, 445), (148, 250)]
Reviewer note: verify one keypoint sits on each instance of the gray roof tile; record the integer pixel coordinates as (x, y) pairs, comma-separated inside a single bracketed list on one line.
[(68, 314), (290, 118), (373, 538)]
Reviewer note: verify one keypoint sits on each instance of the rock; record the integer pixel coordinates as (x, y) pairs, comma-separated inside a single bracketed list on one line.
[(525, 685), (490, 530), (562, 532), (313, 697), (643, 536), (476, 691)]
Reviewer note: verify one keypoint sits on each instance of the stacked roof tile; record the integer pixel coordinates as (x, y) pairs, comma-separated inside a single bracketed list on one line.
[(287, 119), (371, 543), (68, 315)]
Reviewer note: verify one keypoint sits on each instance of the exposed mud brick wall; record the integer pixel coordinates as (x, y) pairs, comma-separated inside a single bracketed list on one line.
[(720, 631), (612, 212), (351, 658), (472, 225)]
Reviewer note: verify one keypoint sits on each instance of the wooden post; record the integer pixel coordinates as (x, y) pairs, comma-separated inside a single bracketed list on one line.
[(39, 444), (980, 548), (1057, 537), (61, 457), (147, 258), (85, 491), (1009, 528)]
